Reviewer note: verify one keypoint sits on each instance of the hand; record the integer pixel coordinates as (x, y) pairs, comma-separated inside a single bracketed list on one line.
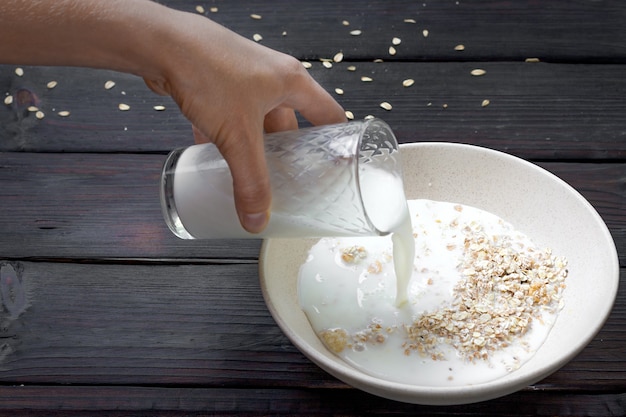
[(229, 87), (232, 89)]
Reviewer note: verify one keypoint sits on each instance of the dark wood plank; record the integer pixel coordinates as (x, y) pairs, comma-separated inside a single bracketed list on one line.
[(192, 325), (97, 206), (163, 402), (94, 206), (559, 30), (536, 111)]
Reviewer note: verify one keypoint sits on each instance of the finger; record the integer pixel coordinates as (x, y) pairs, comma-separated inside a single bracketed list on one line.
[(246, 160), (159, 87), (198, 136), (280, 119), (315, 104)]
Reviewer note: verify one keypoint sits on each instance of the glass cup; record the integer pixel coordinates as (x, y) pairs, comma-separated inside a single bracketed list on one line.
[(335, 180)]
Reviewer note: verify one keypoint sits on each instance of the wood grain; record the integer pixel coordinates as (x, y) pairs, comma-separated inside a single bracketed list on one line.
[(193, 325), (493, 30), (106, 206), (166, 402), (536, 111)]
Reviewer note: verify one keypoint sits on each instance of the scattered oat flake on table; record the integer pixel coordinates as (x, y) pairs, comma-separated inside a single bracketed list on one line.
[(396, 41), (356, 32), (345, 23), (351, 68), (478, 72), (408, 82), (39, 114), (338, 57), (306, 64), (109, 85), (409, 21), (51, 85), (369, 117), (459, 47), (533, 60), (339, 91), (256, 16), (385, 105), (485, 103), (425, 33), (159, 107), (327, 64), (19, 71), (123, 107), (366, 79), (63, 113), (349, 115), (392, 50), (257, 37), (200, 9), (33, 108), (8, 100), (213, 9)]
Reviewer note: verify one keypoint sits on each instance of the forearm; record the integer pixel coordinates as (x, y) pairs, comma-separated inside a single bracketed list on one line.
[(112, 34)]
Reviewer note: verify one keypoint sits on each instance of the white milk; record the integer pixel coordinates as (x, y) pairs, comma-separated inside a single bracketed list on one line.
[(360, 295), (387, 198)]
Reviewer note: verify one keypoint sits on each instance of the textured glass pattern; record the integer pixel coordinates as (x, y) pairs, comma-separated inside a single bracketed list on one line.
[(315, 177), (323, 164)]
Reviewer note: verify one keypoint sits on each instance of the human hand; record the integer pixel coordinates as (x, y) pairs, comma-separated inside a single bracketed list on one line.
[(232, 89), (229, 87)]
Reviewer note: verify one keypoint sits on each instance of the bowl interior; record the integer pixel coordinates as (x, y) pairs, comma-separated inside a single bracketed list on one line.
[(536, 202)]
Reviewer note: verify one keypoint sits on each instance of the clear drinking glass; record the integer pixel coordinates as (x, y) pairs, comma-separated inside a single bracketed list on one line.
[(335, 180)]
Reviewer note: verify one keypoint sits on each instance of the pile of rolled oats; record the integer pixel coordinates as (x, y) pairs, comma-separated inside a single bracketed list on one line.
[(505, 286)]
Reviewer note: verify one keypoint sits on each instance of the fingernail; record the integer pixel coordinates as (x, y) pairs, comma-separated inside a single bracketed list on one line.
[(255, 222)]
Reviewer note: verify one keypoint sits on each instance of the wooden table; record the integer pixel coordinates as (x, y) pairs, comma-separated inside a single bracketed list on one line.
[(105, 312)]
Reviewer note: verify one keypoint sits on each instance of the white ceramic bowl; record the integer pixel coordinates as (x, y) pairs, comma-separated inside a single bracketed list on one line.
[(536, 202)]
